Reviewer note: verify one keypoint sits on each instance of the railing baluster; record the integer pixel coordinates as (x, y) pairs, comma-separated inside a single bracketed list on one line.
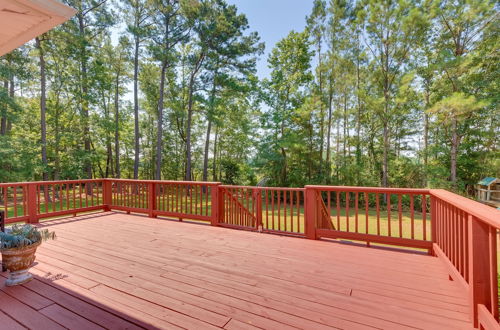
[(412, 216), (356, 210), (424, 216), (298, 210), (377, 198), (388, 214), (25, 204), (366, 212), (14, 192), (337, 200), (493, 285), (347, 210)]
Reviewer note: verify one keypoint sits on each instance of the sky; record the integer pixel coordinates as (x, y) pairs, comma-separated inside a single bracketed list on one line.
[(273, 20)]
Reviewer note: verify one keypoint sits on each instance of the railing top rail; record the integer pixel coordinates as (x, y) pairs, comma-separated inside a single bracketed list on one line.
[(372, 189), (482, 212), (205, 183), (10, 184), (262, 188)]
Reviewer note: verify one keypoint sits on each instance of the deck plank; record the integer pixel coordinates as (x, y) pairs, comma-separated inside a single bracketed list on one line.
[(427, 285), (25, 315), (68, 319), (342, 283), (175, 274), (87, 308), (9, 323), (28, 297)]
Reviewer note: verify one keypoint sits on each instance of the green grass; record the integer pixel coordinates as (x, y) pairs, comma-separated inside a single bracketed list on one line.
[(51, 206)]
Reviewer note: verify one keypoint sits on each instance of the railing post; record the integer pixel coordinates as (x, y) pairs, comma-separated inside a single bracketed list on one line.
[(433, 222), (258, 209), (2, 228), (310, 212), (107, 194), (215, 197), (151, 199), (480, 284), (32, 203), (220, 204)]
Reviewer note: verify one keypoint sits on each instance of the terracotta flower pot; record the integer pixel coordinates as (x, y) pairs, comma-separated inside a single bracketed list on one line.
[(18, 261)]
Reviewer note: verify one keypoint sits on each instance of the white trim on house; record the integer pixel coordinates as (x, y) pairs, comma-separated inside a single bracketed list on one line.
[(23, 20)]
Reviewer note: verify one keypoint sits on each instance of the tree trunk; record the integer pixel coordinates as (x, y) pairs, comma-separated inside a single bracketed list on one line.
[(57, 158), (385, 166), (117, 125), (209, 127), (207, 147), (85, 104), (453, 152), (337, 147), (344, 135), (214, 174), (328, 136), (3, 120), (321, 112), (188, 132), (159, 137), (109, 148), (358, 121), (426, 138), (190, 115), (136, 109), (284, 172), (11, 94), (43, 109), (385, 119)]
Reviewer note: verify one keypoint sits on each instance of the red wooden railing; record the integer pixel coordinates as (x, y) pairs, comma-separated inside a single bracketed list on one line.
[(266, 209), (459, 231), (380, 215), (32, 201), (465, 236)]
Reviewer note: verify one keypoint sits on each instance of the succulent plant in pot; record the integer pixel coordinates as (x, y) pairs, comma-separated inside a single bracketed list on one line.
[(18, 245)]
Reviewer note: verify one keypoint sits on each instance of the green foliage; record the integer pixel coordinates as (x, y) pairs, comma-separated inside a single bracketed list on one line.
[(19, 236), (402, 93)]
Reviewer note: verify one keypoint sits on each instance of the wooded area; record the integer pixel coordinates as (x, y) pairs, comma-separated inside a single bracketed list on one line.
[(373, 93)]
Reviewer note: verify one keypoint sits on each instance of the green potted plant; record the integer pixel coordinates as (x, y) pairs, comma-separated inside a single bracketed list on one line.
[(18, 245)]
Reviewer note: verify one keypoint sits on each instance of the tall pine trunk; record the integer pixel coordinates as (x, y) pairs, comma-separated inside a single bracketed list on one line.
[(190, 115), (205, 156), (454, 151), (136, 108), (85, 103), (214, 174), (43, 123), (426, 138), (358, 121), (43, 109), (328, 136), (117, 125), (3, 120), (321, 112), (159, 137), (209, 128)]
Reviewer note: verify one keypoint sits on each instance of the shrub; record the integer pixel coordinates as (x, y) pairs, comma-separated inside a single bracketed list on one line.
[(19, 236)]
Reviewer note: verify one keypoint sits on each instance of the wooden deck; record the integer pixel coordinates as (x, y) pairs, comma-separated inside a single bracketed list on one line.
[(118, 271)]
